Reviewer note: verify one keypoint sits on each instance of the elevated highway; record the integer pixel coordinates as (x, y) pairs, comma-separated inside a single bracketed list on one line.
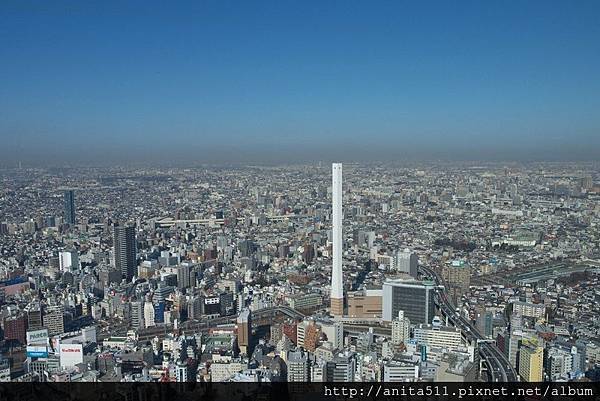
[(499, 368)]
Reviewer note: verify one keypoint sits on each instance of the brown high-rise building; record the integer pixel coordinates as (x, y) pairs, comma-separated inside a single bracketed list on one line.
[(244, 331), (15, 328), (457, 276)]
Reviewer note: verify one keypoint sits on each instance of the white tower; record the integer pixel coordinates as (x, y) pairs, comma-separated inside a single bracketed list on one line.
[(337, 291)]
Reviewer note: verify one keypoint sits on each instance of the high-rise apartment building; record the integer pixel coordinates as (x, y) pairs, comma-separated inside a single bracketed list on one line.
[(400, 329), (531, 361), (124, 248), (69, 201), (406, 262), (457, 276)]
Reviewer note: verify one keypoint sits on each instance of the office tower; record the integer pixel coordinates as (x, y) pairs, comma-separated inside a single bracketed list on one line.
[(283, 251), (68, 260), (54, 320), (124, 248), (244, 331), (531, 361), (149, 314), (137, 315), (318, 371), (184, 271), (194, 307), (34, 316), (341, 369), (413, 297), (247, 248), (406, 262), (69, 199), (49, 221), (337, 291), (297, 366), (400, 329)]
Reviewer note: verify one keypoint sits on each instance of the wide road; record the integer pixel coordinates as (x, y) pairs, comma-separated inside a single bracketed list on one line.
[(500, 369)]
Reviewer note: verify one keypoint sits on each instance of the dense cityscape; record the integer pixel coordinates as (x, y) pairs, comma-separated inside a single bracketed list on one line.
[(430, 272)]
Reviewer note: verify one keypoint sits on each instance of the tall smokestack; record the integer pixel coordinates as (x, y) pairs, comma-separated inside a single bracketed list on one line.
[(337, 290)]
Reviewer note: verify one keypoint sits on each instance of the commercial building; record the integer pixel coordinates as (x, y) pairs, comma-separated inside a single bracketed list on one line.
[(54, 320), (305, 302), (68, 260), (413, 297), (297, 366), (341, 369), (400, 371), (15, 328), (366, 304)]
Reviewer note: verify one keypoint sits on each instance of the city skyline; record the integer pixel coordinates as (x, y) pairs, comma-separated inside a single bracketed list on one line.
[(280, 82), (339, 195)]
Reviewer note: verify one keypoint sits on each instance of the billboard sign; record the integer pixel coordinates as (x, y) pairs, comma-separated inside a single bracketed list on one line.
[(37, 336), (70, 354), (37, 351)]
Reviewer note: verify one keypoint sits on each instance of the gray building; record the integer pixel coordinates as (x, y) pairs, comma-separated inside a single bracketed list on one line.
[(69, 200), (297, 366), (124, 248), (413, 297), (406, 262)]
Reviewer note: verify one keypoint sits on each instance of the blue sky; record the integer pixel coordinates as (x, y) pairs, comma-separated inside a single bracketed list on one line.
[(280, 81)]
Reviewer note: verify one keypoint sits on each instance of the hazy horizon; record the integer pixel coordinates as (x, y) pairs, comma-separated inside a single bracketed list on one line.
[(293, 82)]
